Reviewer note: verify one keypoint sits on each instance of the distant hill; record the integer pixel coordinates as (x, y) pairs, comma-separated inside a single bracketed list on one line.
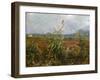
[(83, 32)]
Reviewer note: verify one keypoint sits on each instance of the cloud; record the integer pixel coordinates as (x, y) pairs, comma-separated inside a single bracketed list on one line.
[(43, 23)]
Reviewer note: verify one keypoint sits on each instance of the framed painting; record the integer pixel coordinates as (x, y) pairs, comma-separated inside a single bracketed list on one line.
[(53, 39)]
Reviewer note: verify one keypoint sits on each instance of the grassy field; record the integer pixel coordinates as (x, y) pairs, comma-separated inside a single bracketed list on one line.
[(55, 51)]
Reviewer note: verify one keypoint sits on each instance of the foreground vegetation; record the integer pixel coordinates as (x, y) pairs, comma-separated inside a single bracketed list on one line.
[(54, 50)]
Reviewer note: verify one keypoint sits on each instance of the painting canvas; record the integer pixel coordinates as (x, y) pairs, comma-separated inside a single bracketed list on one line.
[(56, 39)]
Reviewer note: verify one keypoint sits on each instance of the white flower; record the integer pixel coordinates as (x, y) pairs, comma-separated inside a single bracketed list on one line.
[(60, 28)]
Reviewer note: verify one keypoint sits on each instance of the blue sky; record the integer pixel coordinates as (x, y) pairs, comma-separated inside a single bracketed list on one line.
[(41, 23)]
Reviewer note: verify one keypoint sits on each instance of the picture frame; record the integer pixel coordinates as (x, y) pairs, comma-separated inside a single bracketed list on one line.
[(35, 19)]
